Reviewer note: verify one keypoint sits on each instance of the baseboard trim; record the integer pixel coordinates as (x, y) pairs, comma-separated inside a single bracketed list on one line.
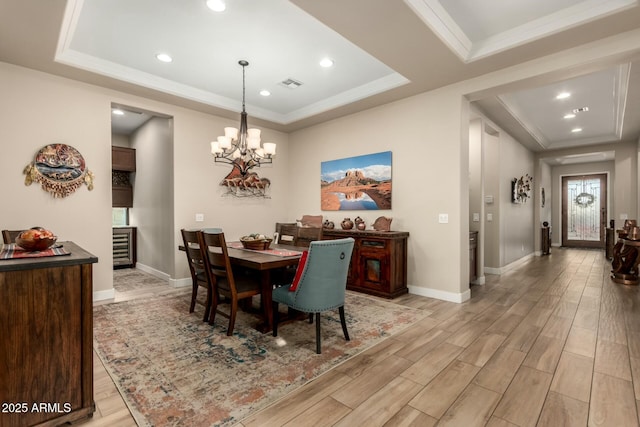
[(438, 294), (152, 271), (180, 283), (104, 295), (515, 264), (480, 280)]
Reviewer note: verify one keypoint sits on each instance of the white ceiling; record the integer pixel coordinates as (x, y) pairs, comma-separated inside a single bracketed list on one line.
[(383, 50)]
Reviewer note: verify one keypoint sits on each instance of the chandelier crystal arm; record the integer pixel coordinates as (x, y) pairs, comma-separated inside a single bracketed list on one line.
[(241, 147)]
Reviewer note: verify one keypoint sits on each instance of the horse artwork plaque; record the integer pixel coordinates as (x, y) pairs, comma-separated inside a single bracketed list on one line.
[(60, 169)]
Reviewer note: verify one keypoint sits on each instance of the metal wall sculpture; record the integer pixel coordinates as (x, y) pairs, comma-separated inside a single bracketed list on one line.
[(60, 169)]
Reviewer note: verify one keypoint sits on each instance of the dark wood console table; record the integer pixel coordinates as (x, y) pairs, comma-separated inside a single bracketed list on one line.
[(46, 331), (626, 257), (378, 263)]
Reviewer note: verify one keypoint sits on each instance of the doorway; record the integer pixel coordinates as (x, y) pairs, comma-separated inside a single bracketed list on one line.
[(584, 210)]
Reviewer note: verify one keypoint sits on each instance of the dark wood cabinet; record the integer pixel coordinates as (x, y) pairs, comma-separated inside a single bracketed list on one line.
[(610, 241), (46, 331), (545, 240), (378, 263), (124, 247), (123, 159), (473, 256)]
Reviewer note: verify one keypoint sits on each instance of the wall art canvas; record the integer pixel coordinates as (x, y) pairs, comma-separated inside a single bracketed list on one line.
[(60, 169), (356, 183)]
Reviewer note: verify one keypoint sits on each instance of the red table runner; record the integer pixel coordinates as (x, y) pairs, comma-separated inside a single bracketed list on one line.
[(12, 251)]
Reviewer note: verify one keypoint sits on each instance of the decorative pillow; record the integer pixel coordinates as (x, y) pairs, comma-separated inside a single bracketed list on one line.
[(299, 270)]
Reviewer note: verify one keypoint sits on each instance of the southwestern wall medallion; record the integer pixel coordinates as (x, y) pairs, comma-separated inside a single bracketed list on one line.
[(59, 169)]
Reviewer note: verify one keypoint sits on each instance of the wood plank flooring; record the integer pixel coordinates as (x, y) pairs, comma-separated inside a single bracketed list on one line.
[(552, 343)]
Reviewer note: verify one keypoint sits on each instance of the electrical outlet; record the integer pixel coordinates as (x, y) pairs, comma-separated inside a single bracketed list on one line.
[(476, 217), (443, 218), (489, 217), (199, 217)]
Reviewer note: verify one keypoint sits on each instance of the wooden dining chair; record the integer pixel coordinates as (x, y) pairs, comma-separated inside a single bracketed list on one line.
[(236, 286), (287, 232), (306, 235), (9, 236), (197, 268)]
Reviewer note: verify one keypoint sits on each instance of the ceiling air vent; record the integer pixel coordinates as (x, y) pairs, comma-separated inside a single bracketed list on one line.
[(291, 83), (580, 110)]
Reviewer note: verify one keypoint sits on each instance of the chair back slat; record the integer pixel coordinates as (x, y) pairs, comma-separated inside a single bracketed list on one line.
[(216, 258), (306, 235)]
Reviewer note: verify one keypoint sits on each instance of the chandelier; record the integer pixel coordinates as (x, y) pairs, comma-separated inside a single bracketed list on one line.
[(241, 148)]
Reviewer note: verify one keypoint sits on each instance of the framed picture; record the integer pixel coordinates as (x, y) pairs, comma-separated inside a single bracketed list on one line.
[(356, 183)]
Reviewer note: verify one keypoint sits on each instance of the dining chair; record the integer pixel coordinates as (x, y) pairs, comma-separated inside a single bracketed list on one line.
[(320, 284), (9, 236), (306, 235), (235, 285), (287, 232), (197, 269)]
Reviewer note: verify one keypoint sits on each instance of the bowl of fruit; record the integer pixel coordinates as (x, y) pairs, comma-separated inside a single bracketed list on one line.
[(36, 239), (258, 242)]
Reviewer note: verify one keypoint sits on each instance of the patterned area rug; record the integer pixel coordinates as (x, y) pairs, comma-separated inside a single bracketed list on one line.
[(173, 369), (130, 279)]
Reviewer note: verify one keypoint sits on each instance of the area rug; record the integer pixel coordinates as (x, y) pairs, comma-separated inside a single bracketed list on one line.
[(130, 279), (172, 369)]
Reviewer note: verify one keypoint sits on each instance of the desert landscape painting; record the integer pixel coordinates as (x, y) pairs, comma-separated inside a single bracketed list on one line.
[(356, 183)]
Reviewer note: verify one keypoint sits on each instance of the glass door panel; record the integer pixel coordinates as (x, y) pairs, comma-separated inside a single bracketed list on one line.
[(584, 210)]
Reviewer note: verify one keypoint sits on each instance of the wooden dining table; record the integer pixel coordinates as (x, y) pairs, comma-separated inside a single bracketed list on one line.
[(264, 262)]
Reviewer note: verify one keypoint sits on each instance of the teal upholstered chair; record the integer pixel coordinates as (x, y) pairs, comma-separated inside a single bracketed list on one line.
[(322, 284)]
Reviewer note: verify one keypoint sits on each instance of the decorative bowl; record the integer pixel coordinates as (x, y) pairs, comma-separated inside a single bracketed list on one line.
[(256, 243), (36, 239)]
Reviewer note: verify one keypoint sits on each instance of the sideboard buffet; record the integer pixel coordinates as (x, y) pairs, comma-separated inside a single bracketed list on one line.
[(46, 330), (378, 262)]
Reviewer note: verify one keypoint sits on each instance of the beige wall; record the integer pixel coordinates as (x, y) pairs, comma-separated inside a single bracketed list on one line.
[(152, 211), (428, 135), (424, 135), (42, 109)]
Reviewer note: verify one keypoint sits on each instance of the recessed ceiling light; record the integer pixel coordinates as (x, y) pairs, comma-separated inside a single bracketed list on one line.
[(563, 95), (576, 130), (326, 62), (216, 5), (164, 57), (117, 112), (569, 116), (265, 92)]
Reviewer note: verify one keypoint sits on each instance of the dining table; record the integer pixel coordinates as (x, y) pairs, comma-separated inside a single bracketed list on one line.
[(278, 256)]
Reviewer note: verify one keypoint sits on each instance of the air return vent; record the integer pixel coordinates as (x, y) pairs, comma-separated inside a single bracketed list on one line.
[(291, 83)]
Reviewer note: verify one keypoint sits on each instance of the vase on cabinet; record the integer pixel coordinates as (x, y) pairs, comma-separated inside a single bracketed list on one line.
[(346, 224)]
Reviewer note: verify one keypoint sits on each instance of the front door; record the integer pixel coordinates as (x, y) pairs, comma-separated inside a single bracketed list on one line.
[(584, 210)]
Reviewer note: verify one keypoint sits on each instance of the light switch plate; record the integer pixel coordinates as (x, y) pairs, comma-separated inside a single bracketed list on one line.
[(489, 217), (443, 218), (199, 217), (476, 217)]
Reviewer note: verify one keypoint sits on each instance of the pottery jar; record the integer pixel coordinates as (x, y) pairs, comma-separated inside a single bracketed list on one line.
[(346, 224)]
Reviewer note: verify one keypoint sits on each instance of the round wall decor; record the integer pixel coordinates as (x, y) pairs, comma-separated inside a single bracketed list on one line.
[(60, 169)]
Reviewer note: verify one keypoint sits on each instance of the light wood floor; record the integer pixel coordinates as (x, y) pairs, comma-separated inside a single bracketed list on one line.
[(552, 343)]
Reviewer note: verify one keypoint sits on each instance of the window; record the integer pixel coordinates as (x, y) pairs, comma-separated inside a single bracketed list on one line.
[(119, 216)]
